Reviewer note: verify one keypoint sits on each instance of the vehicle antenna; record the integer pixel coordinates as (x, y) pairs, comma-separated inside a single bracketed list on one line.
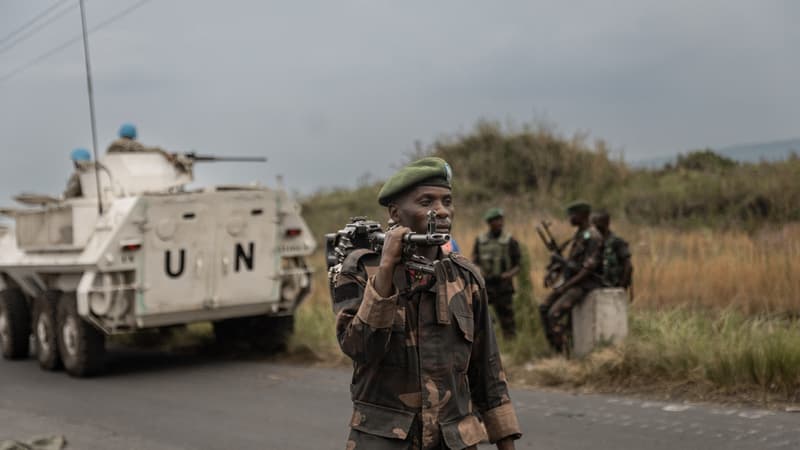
[(91, 106)]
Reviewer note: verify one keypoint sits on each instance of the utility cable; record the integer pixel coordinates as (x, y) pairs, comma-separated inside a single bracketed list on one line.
[(49, 53), (42, 14), (35, 30)]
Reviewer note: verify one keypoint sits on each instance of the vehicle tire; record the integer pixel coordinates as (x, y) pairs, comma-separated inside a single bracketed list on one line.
[(45, 330), (271, 334), (15, 324), (81, 345), (229, 331)]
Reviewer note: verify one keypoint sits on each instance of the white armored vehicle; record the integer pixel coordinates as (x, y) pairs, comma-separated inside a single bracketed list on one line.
[(155, 254)]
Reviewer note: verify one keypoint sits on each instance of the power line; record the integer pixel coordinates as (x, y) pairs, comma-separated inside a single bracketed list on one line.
[(44, 13), (36, 29), (75, 39)]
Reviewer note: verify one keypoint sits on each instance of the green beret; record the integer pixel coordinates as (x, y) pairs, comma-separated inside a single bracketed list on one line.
[(429, 171), (579, 206), (492, 214)]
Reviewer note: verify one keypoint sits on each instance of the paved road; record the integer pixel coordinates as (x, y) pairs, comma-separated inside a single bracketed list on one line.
[(153, 400)]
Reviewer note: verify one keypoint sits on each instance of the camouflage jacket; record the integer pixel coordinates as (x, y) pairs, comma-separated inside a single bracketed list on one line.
[(426, 367), (586, 252), (615, 255)]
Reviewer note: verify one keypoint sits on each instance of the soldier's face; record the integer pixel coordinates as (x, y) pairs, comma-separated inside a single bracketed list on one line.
[(411, 210), (496, 225), (601, 223), (578, 218)]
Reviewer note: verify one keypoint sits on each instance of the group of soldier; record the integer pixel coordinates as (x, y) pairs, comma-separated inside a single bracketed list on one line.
[(427, 372), (597, 258)]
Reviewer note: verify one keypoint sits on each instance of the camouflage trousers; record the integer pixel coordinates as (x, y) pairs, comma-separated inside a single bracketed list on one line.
[(555, 315), (503, 303), (361, 440)]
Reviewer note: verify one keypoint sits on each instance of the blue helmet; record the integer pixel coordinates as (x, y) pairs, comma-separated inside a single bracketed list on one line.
[(127, 130), (80, 154)]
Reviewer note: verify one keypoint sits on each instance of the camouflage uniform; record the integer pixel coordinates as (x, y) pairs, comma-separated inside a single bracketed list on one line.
[(73, 188), (495, 255), (124, 145), (586, 252), (615, 255), (426, 368)]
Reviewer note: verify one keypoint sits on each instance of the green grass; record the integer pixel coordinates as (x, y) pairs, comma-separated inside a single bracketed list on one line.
[(723, 353), (675, 349)]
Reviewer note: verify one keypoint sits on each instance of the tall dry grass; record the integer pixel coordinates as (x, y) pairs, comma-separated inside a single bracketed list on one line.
[(715, 310), (753, 273)]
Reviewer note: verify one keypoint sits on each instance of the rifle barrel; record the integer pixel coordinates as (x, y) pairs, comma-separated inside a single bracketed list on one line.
[(229, 159)]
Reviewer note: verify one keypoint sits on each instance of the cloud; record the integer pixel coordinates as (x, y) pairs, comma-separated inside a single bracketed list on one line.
[(332, 90)]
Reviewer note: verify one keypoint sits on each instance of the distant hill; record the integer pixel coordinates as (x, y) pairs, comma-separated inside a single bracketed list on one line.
[(534, 168), (769, 151), (766, 151)]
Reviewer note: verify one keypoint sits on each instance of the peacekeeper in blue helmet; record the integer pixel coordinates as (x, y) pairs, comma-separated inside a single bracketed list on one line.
[(127, 143), (79, 157)]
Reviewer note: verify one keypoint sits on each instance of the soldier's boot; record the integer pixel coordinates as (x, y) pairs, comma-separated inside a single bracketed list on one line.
[(560, 342)]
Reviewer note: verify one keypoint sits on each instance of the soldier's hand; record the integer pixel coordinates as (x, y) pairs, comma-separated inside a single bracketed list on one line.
[(393, 247), (505, 444), (390, 257)]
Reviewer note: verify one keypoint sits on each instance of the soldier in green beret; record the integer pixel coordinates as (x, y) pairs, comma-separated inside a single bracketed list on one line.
[(497, 253), (581, 274), (426, 367)]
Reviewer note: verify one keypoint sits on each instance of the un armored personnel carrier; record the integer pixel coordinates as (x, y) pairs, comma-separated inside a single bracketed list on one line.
[(155, 254)]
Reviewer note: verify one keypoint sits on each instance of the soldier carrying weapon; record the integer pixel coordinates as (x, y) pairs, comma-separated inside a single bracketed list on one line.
[(572, 277), (426, 367)]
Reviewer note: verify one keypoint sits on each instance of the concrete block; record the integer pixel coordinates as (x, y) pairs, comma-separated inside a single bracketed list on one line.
[(601, 318)]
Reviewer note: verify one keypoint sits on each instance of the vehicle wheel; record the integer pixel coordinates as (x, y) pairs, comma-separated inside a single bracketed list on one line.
[(229, 331), (81, 345), (271, 334), (15, 324), (45, 331)]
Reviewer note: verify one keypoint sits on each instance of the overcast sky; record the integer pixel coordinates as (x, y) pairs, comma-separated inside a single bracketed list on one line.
[(330, 90)]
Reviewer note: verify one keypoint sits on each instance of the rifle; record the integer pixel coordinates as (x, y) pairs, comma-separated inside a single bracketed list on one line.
[(559, 266), (368, 234)]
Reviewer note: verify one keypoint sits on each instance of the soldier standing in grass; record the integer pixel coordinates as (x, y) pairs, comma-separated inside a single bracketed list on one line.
[(582, 273), (498, 256), (426, 367), (617, 265)]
